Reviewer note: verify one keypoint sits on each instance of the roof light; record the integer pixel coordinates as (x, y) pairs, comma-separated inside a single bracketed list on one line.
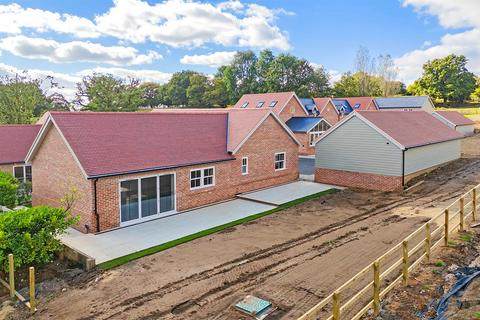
[(260, 104), (273, 104), (245, 104)]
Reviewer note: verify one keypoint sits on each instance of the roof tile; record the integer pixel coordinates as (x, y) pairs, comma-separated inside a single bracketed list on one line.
[(15, 141)]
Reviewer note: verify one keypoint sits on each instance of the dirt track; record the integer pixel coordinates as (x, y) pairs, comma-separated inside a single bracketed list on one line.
[(293, 258)]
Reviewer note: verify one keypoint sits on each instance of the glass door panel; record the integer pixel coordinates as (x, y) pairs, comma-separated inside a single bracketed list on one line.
[(129, 200), (149, 196), (167, 193)]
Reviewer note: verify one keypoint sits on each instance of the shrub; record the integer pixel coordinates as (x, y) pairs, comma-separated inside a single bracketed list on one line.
[(8, 190), (24, 194), (32, 234)]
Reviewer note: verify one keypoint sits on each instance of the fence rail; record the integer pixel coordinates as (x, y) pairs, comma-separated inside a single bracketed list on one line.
[(407, 254), (31, 302)]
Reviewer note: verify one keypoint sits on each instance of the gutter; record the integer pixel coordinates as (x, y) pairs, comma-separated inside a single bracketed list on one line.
[(95, 208)]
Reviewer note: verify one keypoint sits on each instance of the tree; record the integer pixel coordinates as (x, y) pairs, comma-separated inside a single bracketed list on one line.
[(320, 83), (387, 73), (22, 98), (447, 78), (151, 94), (108, 93), (244, 71), (263, 65), (350, 85), (196, 90), (364, 69), (217, 93), (476, 93)]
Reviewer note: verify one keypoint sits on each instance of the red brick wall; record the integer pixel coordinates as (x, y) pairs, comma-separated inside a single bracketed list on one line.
[(330, 114), (358, 179), (305, 150), (54, 173), (229, 181), (292, 109)]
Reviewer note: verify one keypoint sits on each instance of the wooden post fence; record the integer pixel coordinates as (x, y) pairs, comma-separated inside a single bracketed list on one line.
[(405, 262), (462, 214), (428, 241), (376, 288), (474, 204), (446, 227), (31, 288), (11, 276), (336, 306)]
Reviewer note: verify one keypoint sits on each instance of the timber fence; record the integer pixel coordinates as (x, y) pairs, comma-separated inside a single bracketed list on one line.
[(363, 291), (10, 285)]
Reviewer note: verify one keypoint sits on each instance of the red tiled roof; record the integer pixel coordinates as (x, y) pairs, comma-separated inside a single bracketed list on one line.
[(240, 121), (282, 99), (456, 118), (411, 129), (15, 141), (321, 102), (112, 143), (364, 102)]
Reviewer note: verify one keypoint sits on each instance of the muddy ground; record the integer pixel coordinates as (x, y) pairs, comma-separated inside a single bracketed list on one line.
[(293, 258), (431, 281)]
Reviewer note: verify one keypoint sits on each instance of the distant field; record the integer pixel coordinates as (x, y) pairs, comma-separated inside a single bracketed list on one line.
[(468, 112)]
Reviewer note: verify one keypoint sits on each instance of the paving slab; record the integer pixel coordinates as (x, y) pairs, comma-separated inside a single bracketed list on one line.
[(120, 242), (287, 192)]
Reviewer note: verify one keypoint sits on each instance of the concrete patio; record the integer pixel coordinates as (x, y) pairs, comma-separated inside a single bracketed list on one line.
[(287, 192), (120, 242)]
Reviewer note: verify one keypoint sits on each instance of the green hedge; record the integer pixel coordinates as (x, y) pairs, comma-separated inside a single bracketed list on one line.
[(32, 234), (8, 190)]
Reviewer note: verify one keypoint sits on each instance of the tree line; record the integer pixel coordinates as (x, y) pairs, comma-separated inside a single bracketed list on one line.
[(23, 99)]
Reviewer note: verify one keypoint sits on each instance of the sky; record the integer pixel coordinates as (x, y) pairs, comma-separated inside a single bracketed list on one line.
[(150, 40)]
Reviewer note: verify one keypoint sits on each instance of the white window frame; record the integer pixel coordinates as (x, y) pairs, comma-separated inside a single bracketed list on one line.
[(139, 187), (24, 167), (284, 161), (315, 134), (244, 166), (202, 178)]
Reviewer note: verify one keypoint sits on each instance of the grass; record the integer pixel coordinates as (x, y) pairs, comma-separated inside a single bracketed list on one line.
[(476, 315), (440, 263), (167, 245), (468, 112), (467, 237)]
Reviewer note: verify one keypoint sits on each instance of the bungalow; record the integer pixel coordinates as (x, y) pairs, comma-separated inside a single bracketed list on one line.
[(387, 149), (457, 121), (406, 103), (126, 168), (284, 104), (15, 140), (327, 110), (308, 130)]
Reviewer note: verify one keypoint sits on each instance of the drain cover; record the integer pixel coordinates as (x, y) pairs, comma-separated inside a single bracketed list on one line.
[(255, 307)]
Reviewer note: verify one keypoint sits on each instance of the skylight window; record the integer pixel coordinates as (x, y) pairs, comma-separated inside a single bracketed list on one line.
[(245, 104), (273, 104), (356, 106), (260, 104)]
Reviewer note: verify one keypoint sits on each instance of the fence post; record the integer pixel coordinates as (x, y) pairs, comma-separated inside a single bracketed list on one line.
[(32, 289), (446, 227), (376, 288), (474, 203), (405, 262), (428, 241), (336, 306), (462, 214), (11, 275)]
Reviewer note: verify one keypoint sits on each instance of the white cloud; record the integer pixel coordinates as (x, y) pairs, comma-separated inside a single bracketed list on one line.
[(142, 75), (215, 59), (67, 82), (181, 23), (335, 75), (451, 14), (75, 51), (14, 18)]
